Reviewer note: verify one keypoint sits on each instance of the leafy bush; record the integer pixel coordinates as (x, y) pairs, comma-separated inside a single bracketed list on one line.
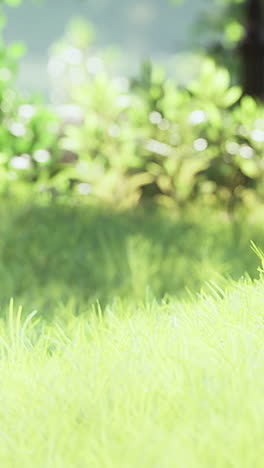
[(29, 138), (126, 141), (28, 129), (149, 139)]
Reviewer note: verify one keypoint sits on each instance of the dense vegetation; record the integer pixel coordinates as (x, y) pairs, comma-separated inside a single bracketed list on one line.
[(127, 141)]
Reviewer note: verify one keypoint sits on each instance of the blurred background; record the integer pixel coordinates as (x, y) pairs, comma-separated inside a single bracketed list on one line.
[(142, 29), (130, 102)]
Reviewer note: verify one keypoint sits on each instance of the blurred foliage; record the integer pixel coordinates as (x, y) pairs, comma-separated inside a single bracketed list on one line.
[(28, 129), (149, 139), (218, 30), (221, 21), (125, 141)]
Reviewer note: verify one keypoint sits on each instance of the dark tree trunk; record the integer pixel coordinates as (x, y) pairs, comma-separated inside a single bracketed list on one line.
[(252, 49)]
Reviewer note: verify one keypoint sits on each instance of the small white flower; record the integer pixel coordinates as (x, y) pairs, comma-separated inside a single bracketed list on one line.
[(17, 129), (158, 147), (26, 111), (164, 125), (22, 162), (258, 135), (155, 117), (41, 156), (197, 117), (84, 189), (246, 152), (232, 147), (200, 144)]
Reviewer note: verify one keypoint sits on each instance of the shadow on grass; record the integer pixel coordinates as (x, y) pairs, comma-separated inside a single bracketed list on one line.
[(62, 254)]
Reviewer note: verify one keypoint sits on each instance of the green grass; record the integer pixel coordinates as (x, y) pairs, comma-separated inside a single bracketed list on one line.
[(163, 385), (76, 255), (121, 365)]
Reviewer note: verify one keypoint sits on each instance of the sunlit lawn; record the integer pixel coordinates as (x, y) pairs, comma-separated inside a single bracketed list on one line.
[(121, 365)]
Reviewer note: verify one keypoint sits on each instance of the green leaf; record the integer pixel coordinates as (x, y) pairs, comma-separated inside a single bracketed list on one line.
[(232, 96), (221, 81), (249, 167), (249, 105)]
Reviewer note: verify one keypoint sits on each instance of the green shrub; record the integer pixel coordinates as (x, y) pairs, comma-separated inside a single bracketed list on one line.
[(149, 139), (28, 129), (127, 141)]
